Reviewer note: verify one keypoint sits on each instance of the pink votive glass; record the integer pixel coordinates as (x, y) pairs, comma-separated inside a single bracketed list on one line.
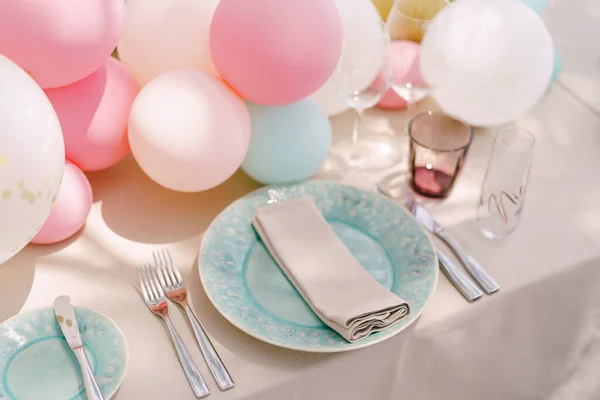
[(438, 146)]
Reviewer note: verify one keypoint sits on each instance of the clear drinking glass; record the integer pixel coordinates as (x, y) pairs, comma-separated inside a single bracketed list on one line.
[(407, 22), (361, 79), (438, 146), (505, 183)]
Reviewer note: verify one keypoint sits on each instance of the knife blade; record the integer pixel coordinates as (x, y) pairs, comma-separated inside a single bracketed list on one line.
[(65, 315), (421, 214), (455, 275)]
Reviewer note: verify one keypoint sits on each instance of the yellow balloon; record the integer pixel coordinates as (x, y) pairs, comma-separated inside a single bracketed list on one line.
[(384, 7), (423, 10), (410, 18)]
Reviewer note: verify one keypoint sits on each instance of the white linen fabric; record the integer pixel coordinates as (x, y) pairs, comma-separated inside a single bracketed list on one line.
[(538, 338), (332, 282)]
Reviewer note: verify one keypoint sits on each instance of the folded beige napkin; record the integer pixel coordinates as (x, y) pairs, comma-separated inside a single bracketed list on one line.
[(333, 283)]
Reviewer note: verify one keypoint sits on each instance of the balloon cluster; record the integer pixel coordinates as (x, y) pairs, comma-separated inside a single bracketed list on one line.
[(64, 106), (206, 87), (227, 84), (201, 83)]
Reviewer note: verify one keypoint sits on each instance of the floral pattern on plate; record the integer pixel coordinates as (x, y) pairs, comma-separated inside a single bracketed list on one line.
[(250, 291)]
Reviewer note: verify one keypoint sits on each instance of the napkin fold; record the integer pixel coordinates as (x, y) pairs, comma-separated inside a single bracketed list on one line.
[(333, 283)]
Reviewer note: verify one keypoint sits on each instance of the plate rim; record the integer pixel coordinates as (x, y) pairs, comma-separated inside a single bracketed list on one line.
[(119, 330), (350, 346)]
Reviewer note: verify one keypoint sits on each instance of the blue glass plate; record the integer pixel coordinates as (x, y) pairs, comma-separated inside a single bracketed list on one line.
[(248, 288), (36, 361)]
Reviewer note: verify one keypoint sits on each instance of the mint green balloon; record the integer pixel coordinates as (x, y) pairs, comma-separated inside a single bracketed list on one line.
[(537, 5), (289, 143), (557, 67)]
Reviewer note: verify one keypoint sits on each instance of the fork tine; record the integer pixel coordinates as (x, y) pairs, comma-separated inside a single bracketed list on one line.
[(152, 294), (162, 277), (151, 286), (160, 266), (176, 270), (169, 266), (147, 286), (142, 285), (159, 288), (157, 261)]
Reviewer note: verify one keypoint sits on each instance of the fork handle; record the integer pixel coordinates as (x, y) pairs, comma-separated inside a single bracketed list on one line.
[(216, 366), (187, 362), (488, 283)]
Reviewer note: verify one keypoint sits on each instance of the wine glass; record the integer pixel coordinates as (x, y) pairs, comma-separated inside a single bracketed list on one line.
[(361, 79), (407, 22)]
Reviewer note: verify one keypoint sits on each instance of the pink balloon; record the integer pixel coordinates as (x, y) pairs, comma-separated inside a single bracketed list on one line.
[(93, 114), (59, 41), (405, 68), (276, 52), (70, 210), (188, 131)]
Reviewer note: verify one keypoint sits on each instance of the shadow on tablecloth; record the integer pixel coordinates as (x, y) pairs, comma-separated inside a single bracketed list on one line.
[(17, 274), (136, 208)]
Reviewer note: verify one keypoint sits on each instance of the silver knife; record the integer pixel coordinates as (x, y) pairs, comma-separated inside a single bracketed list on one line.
[(488, 283), (455, 275), (65, 315)]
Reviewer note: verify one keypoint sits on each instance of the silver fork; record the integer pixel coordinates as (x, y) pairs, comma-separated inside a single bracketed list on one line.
[(157, 303), (172, 283)]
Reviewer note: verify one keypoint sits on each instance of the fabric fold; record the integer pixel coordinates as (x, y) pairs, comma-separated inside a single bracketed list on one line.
[(325, 273)]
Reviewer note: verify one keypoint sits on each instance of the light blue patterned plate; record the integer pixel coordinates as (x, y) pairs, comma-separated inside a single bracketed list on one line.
[(36, 362), (248, 288)]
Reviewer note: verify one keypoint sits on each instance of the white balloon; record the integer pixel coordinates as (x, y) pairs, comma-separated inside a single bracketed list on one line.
[(491, 60), (188, 131), (330, 100), (160, 36), (362, 35), (32, 158)]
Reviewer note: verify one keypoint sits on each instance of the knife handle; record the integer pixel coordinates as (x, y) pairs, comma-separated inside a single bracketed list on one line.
[(459, 279), (488, 283), (89, 381)]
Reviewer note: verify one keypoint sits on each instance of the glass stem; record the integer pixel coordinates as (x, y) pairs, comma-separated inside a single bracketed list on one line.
[(358, 113), (411, 107)]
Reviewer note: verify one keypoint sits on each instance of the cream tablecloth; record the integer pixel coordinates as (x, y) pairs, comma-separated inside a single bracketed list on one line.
[(538, 338)]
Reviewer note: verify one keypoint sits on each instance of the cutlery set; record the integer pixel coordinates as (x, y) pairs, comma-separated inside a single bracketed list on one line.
[(163, 281), (455, 274), (158, 282)]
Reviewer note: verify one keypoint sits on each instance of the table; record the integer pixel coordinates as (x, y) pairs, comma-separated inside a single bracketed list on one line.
[(538, 338)]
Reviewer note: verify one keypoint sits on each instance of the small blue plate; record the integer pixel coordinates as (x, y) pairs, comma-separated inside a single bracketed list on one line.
[(247, 287), (37, 363)]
